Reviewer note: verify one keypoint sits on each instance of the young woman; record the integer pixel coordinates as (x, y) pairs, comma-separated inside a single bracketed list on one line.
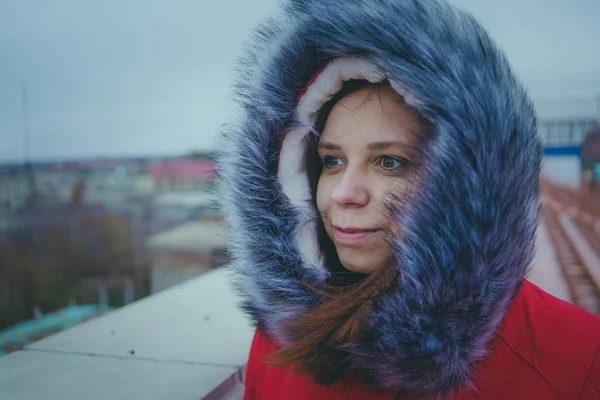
[(381, 189)]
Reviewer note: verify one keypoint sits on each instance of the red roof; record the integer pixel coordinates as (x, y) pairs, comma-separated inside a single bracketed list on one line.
[(183, 169)]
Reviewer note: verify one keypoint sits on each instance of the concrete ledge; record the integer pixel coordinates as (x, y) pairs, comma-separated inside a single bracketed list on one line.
[(46, 375), (187, 342)]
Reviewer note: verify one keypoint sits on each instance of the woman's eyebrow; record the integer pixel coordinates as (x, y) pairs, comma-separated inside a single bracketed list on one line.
[(325, 145), (385, 145)]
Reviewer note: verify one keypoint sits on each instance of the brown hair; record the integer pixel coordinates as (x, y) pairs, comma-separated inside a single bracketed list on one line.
[(348, 297)]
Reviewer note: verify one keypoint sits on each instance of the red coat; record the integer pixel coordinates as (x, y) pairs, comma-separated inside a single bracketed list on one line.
[(546, 349)]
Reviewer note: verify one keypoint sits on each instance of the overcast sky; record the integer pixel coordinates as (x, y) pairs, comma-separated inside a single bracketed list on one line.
[(149, 77)]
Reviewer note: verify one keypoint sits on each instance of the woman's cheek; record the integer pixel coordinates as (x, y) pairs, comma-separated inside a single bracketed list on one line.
[(323, 195)]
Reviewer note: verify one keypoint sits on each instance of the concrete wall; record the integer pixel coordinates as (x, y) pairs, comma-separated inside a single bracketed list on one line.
[(188, 342)]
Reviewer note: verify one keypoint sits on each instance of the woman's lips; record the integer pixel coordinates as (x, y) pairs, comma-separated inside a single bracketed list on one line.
[(351, 236)]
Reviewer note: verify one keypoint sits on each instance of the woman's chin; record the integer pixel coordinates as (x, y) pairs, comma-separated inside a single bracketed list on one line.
[(362, 264)]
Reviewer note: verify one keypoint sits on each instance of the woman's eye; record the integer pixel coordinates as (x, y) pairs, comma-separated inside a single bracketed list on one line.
[(391, 163), (332, 162)]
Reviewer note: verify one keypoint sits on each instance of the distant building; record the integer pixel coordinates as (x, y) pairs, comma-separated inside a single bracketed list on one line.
[(171, 208), (185, 251), (15, 190), (183, 174), (562, 139)]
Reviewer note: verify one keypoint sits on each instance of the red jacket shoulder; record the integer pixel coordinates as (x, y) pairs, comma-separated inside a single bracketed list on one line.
[(557, 339), (267, 382)]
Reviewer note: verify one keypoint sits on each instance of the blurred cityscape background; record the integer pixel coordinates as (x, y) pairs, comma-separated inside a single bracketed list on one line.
[(109, 114), (86, 236)]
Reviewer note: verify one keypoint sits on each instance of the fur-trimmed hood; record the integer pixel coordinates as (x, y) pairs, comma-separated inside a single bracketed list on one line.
[(468, 237)]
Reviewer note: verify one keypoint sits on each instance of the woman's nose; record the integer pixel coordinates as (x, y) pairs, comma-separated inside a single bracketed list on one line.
[(350, 190)]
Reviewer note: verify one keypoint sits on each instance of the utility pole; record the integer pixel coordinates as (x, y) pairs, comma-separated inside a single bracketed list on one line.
[(25, 120), (27, 145)]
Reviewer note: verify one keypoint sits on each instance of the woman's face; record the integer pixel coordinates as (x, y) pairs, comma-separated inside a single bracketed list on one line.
[(364, 151)]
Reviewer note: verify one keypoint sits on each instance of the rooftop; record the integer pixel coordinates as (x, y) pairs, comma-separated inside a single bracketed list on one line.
[(183, 169), (196, 236)]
